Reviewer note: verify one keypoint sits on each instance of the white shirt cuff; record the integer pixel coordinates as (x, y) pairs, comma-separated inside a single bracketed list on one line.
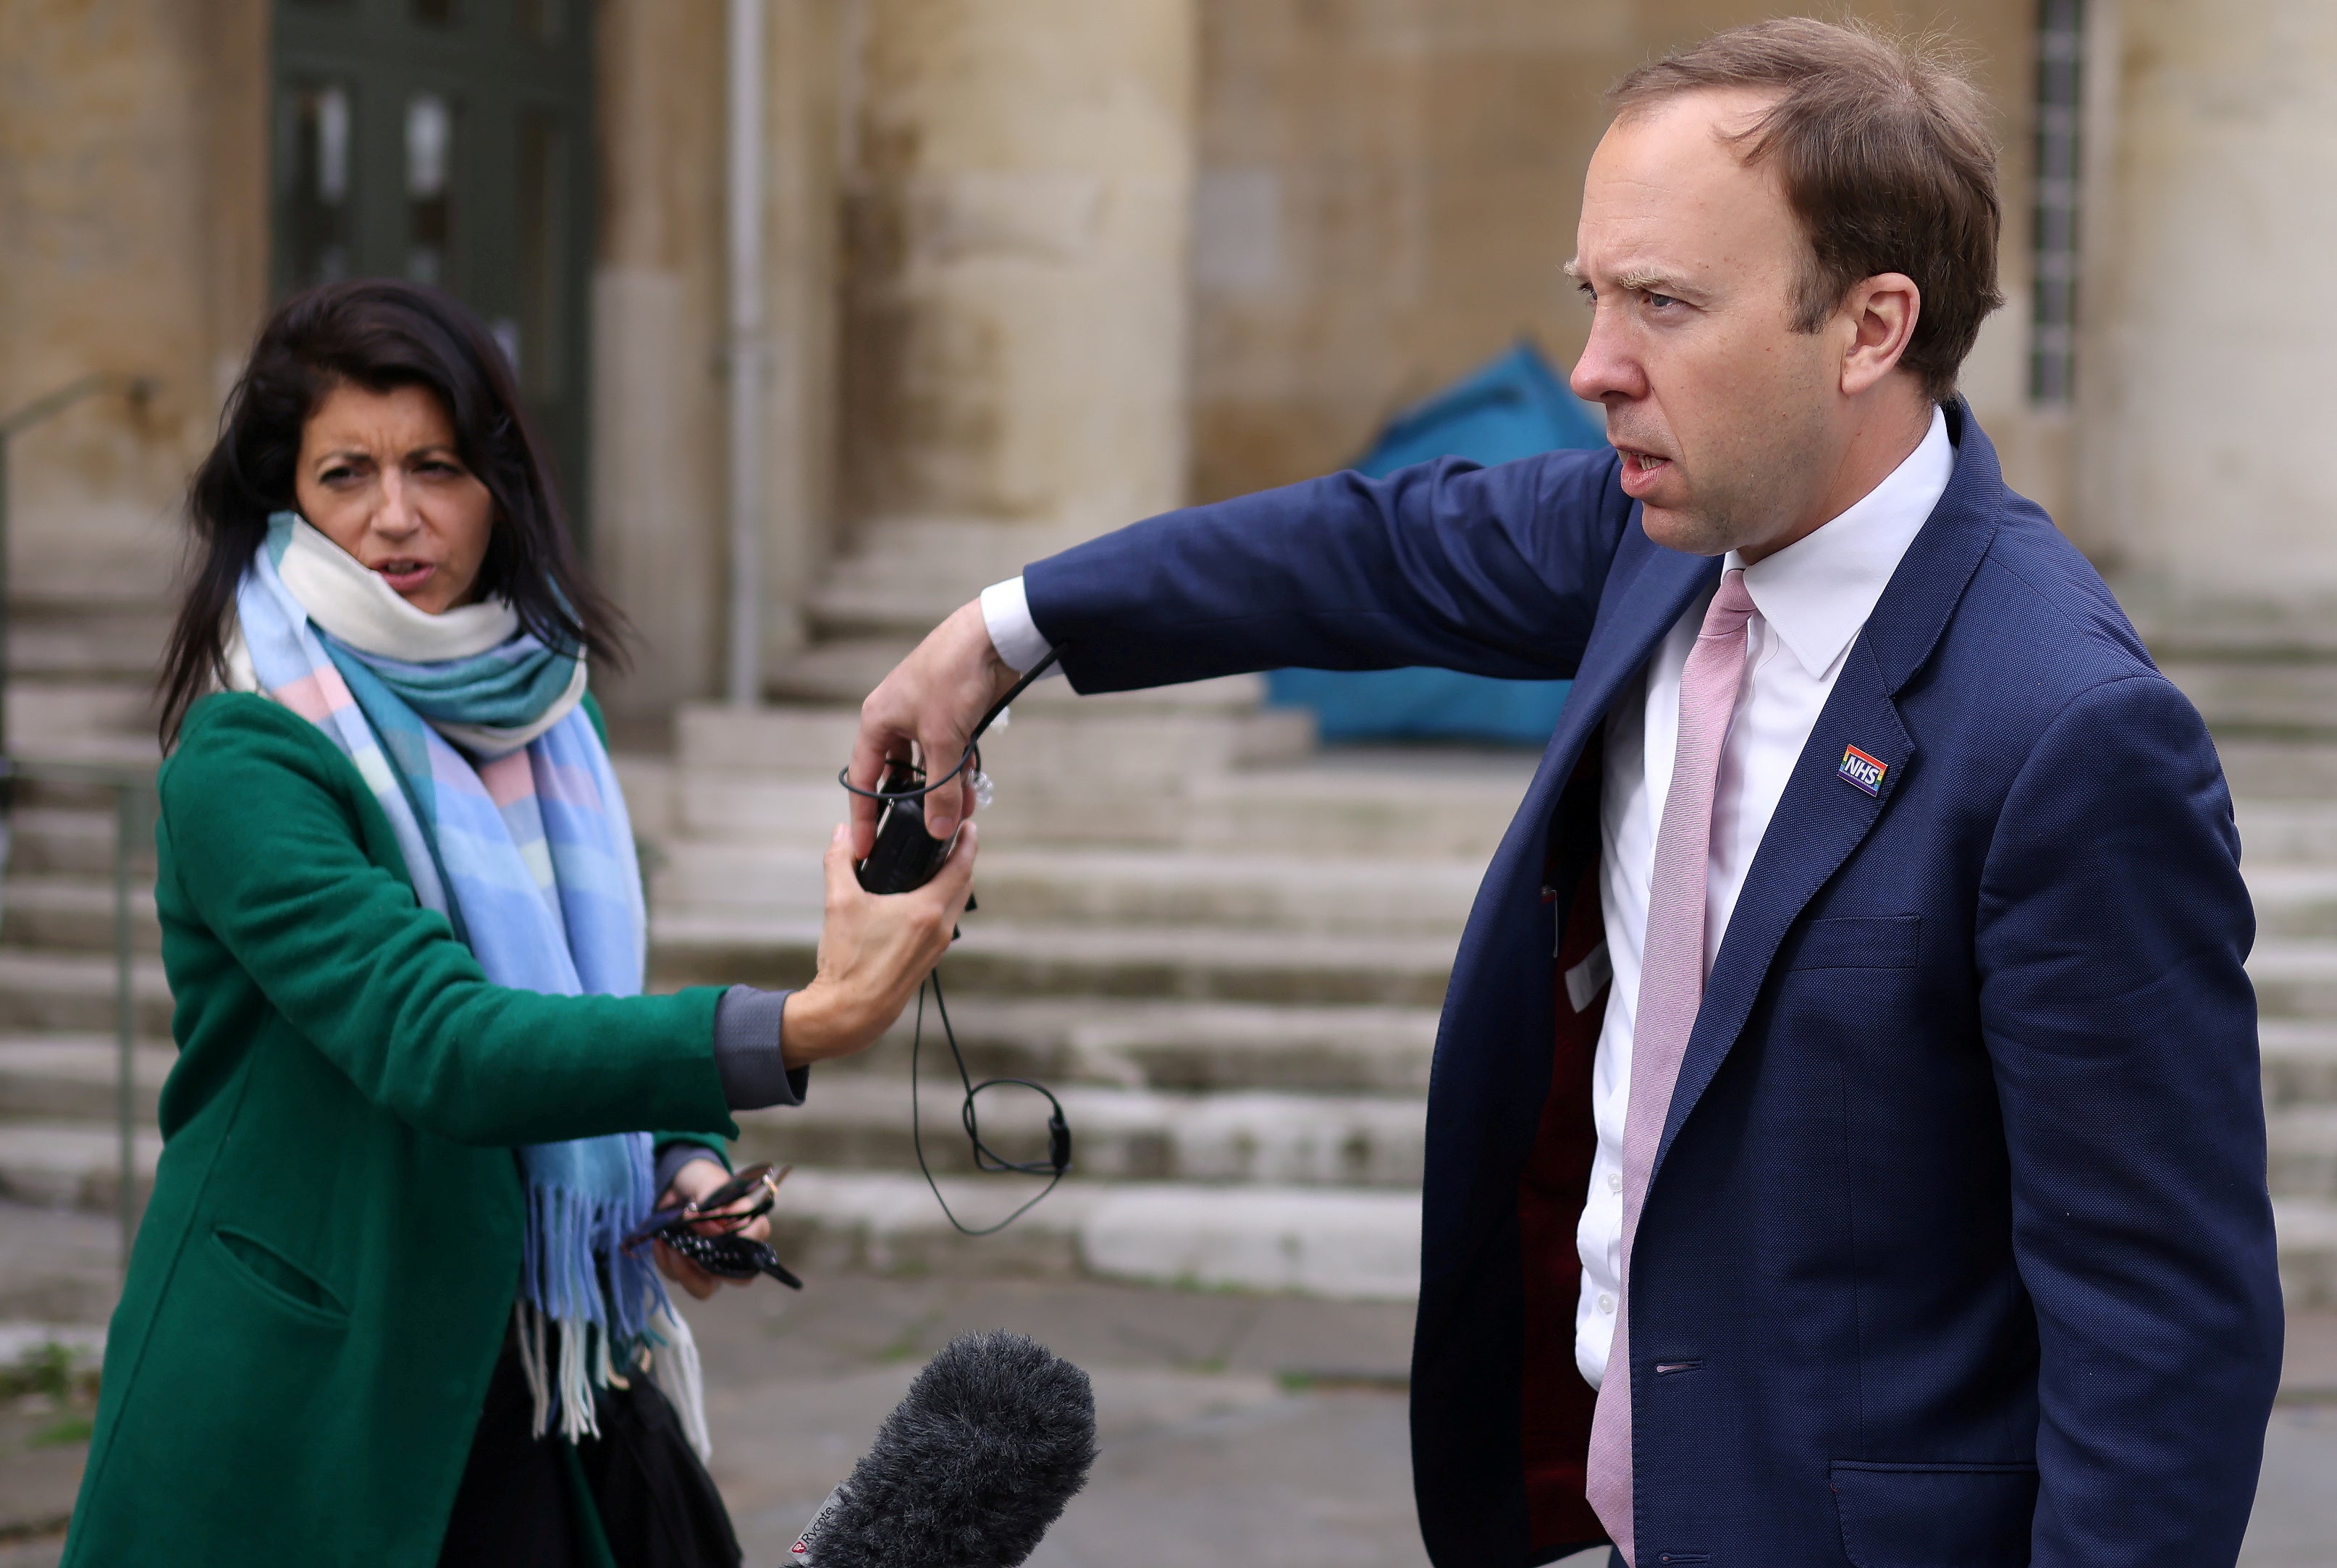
[(1007, 613)]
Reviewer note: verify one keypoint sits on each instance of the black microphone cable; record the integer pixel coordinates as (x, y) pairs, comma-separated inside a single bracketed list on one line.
[(985, 1158)]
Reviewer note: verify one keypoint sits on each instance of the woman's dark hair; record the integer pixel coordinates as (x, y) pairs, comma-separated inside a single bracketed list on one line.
[(378, 333)]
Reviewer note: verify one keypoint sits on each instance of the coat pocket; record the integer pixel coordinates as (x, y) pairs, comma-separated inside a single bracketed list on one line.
[(1857, 943), (1934, 1516), (279, 1279)]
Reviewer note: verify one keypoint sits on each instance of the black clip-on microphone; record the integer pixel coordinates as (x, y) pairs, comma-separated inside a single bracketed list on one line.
[(904, 858)]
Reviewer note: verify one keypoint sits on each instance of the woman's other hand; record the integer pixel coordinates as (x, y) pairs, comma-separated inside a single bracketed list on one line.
[(875, 950), (690, 1183)]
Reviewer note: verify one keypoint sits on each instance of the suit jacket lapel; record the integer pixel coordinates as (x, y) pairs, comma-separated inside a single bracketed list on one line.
[(1647, 592), (1821, 817)]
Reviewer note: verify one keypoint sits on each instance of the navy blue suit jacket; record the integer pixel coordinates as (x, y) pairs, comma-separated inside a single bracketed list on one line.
[(1958, 1251)]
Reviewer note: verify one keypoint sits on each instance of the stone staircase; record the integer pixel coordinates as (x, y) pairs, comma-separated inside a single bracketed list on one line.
[(2273, 707), (80, 695), (1224, 949), (1224, 952)]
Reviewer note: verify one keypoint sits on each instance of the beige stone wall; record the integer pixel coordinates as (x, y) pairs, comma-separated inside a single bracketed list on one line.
[(1388, 189), (1017, 193), (2207, 394), (132, 240)]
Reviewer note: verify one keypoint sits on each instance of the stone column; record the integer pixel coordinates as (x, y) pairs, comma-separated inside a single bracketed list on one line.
[(1019, 179), (2205, 386)]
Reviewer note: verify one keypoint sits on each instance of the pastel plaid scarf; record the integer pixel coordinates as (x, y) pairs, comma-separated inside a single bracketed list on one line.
[(521, 839)]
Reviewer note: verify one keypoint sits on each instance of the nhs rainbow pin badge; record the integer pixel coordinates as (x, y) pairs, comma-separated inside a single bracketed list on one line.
[(1863, 771)]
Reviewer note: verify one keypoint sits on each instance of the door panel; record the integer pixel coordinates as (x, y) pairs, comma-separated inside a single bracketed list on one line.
[(448, 142)]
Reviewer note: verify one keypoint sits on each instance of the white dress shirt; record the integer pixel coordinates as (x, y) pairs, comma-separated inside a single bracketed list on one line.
[(1810, 599)]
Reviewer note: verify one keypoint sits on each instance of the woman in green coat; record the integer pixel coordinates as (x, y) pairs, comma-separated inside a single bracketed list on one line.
[(380, 1309)]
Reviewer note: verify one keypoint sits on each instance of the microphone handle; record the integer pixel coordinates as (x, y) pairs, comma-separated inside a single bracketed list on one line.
[(804, 1554)]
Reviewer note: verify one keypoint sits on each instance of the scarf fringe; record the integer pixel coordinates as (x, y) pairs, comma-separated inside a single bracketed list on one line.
[(674, 1368), (584, 1364)]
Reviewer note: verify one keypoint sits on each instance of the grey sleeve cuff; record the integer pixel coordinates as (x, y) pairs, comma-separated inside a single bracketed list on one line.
[(746, 1050), (673, 1156)]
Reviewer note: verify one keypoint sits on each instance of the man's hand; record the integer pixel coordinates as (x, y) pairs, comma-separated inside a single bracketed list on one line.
[(690, 1183), (934, 697), (875, 950)]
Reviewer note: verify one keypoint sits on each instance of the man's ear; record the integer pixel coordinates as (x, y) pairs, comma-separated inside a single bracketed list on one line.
[(1881, 312)]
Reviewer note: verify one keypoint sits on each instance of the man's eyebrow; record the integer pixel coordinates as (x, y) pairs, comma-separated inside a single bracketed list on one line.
[(1635, 280), (1647, 280)]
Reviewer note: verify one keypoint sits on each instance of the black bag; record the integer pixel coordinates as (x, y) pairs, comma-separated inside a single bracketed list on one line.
[(658, 1508)]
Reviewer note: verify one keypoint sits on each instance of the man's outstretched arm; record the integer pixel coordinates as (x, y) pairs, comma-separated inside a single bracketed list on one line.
[(1489, 571)]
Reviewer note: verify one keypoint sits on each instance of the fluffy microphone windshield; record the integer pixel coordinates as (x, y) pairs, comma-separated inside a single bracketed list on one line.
[(994, 1438)]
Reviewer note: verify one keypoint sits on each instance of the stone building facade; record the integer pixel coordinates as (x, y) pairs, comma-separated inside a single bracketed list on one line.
[(1026, 271), (1035, 267)]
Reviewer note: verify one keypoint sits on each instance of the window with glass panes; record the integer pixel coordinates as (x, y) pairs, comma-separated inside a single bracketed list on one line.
[(2053, 318), (447, 141)]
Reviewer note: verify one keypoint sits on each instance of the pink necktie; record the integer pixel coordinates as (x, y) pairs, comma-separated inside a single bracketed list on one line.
[(1671, 988)]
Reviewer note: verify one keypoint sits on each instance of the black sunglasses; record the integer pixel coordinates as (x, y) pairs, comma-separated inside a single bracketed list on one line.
[(725, 1252)]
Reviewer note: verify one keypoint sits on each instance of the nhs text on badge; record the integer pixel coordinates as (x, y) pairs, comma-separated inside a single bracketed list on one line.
[(1861, 769)]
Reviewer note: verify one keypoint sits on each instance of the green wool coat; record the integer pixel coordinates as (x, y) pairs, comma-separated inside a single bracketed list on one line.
[(322, 1280)]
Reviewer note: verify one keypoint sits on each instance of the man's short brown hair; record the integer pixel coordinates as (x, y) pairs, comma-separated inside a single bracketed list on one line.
[(1886, 157)]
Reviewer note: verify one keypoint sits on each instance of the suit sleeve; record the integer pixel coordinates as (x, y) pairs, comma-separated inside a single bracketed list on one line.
[(1492, 571), (271, 857), (2112, 932)]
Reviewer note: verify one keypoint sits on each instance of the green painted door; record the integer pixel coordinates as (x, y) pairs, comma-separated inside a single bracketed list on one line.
[(448, 142)]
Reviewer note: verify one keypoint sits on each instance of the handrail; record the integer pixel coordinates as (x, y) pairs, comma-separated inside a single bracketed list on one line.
[(132, 787), (134, 805)]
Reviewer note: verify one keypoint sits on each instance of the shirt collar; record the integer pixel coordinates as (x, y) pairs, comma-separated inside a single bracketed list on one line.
[(1817, 592)]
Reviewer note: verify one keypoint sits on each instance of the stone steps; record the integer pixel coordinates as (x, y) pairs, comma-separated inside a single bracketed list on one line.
[(49, 992), (72, 913), (1040, 887), (2304, 1150), (1318, 1242), (69, 840), (1258, 1137), (2276, 833), (2299, 1062), (2308, 1250), (2277, 698), (74, 1076), (2296, 977), (1175, 1046), (74, 1164), (1053, 961), (121, 641)]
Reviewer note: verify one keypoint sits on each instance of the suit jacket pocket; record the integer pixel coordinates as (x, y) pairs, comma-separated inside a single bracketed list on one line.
[(1857, 943), (281, 1280), (1935, 1516)]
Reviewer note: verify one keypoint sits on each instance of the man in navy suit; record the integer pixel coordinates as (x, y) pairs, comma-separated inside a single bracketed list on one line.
[(1845, 1142)]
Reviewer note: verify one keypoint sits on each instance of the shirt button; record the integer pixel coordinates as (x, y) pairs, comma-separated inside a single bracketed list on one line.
[(1614, 1181), (1606, 1302)]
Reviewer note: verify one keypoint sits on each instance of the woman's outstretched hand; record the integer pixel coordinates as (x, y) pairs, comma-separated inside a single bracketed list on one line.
[(875, 950)]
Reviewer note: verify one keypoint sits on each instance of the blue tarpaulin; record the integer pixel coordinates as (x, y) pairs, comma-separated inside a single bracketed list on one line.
[(1512, 408)]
